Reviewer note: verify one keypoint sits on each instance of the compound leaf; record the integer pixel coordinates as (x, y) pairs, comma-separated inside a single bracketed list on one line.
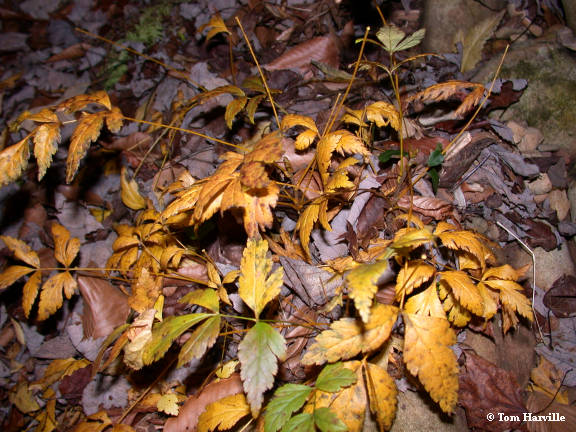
[(22, 251), (65, 248), (85, 133), (334, 377), (287, 400), (362, 285), (303, 422), (464, 290), (46, 139), (51, 296)]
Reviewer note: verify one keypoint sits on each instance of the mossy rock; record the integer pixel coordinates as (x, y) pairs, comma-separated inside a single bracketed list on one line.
[(548, 101)]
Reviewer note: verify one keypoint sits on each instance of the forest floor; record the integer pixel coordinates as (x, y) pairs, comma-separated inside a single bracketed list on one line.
[(180, 253)]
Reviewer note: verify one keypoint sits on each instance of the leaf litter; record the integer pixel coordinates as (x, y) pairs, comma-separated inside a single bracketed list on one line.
[(159, 202)]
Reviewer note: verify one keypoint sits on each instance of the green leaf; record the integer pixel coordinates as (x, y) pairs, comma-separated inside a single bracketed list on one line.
[(335, 376), (385, 156), (411, 41), (300, 423), (327, 421), (166, 332), (434, 178), (258, 353), (201, 340), (394, 39), (436, 158), (287, 399)]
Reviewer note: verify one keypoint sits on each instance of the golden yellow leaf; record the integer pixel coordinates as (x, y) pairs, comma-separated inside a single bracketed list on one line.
[(457, 314), (86, 132), (411, 238), (224, 413), (444, 226), (258, 209), (427, 354), (466, 241), (362, 285), (411, 276), (12, 274), (464, 290), (233, 108), (65, 248), (505, 272), (347, 337), (168, 403), (490, 303), (22, 251), (45, 115), (426, 303), (308, 218), (145, 291), (512, 297), (130, 194), (51, 296), (227, 369), (58, 369), (30, 292), (78, 102), (114, 119), (216, 25), (13, 160), (305, 139), (258, 285), (383, 114), (94, 423), (23, 398), (47, 417), (382, 393), (268, 149), (46, 139), (349, 404), (291, 120)]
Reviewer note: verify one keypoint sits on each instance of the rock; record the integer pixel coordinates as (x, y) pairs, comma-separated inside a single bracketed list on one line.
[(541, 185), (546, 104), (559, 202)]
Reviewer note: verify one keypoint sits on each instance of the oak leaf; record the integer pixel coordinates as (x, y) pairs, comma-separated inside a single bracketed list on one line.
[(347, 337), (428, 356), (258, 354), (258, 284), (224, 413)]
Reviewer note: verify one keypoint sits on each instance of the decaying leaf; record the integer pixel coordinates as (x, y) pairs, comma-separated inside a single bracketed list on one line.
[(362, 285), (13, 161), (382, 393), (224, 413), (130, 194), (323, 49)]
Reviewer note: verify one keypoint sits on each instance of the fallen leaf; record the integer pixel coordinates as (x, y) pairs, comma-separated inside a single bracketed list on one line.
[(561, 297), (224, 413), (323, 49)]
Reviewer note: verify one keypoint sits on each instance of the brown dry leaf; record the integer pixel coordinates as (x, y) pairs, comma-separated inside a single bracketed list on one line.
[(436, 208), (105, 306), (323, 49), (427, 354), (486, 389), (190, 412), (561, 297), (72, 52), (253, 175), (539, 404), (86, 132), (13, 160)]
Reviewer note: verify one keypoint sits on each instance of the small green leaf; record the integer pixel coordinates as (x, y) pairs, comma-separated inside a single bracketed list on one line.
[(412, 40), (258, 353), (436, 157), (390, 36), (385, 156), (434, 178), (300, 423), (327, 421), (287, 399), (166, 332), (335, 376)]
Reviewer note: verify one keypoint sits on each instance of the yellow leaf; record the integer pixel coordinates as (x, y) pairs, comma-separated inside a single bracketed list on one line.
[(411, 238), (506, 272), (13, 160), (427, 354), (362, 285), (291, 120), (512, 297), (65, 248), (305, 139), (412, 275), (475, 39), (444, 226), (22, 251), (233, 108), (457, 314), (47, 417), (382, 393), (130, 195), (145, 291), (307, 220), (78, 102), (348, 143), (464, 290), (12, 274), (490, 304), (258, 209), (257, 285), (426, 303), (86, 132), (30, 292), (21, 396), (216, 25), (114, 119), (347, 337), (168, 403), (383, 114), (51, 296), (466, 241), (227, 369), (44, 116), (224, 413), (46, 139), (349, 404), (58, 369)]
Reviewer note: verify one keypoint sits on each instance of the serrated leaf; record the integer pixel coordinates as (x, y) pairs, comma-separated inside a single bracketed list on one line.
[(207, 298), (13, 160), (383, 114), (215, 25), (428, 356), (347, 337), (58, 369), (475, 39), (168, 403), (303, 422), (203, 337), (46, 139), (78, 102), (512, 297), (457, 314), (22, 251), (114, 119), (12, 274), (43, 116), (464, 290), (258, 353), (505, 272), (490, 305), (327, 421), (224, 413), (362, 285), (305, 139), (390, 36), (233, 108), (307, 220), (51, 298), (466, 241), (257, 285), (166, 332), (30, 292), (252, 105), (130, 194), (411, 238), (287, 400), (382, 393), (334, 377), (86, 132), (426, 303), (291, 120), (65, 248), (411, 276), (412, 40)]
